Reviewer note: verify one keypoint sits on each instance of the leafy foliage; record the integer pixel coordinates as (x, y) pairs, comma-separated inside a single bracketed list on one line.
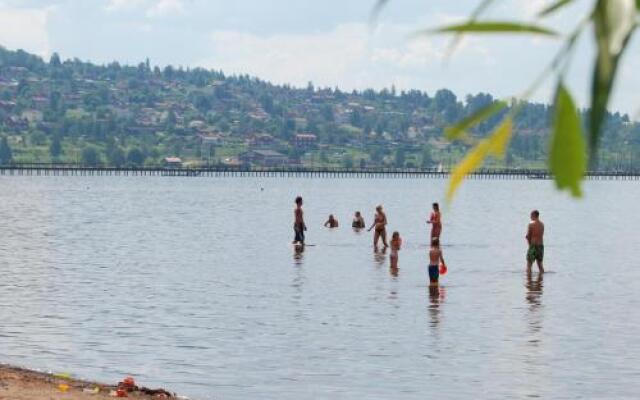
[(6, 154), (614, 22), (494, 27), (494, 145), (567, 159)]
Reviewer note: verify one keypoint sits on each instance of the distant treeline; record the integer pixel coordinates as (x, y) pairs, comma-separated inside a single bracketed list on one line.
[(75, 111)]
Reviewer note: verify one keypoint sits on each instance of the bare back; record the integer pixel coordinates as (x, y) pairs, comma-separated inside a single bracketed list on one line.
[(435, 255), (535, 233), (298, 215)]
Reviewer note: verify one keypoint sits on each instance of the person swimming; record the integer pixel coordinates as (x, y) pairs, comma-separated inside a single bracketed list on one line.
[(332, 222), (380, 223), (396, 244), (358, 221)]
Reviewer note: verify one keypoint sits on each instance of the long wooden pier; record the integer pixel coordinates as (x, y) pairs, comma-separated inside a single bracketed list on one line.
[(301, 172)]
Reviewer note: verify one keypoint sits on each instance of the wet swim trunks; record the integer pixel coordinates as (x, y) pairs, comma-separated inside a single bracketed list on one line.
[(535, 253), (298, 229), (434, 273)]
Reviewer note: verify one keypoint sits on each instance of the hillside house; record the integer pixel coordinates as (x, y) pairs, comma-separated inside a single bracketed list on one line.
[(261, 140), (265, 158), (172, 162), (305, 141), (210, 139)]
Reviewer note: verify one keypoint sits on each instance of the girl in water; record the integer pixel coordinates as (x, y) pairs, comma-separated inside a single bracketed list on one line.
[(396, 243), (435, 221), (380, 223)]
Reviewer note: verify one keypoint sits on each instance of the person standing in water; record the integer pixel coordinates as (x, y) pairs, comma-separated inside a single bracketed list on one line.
[(380, 223), (435, 221), (298, 224), (358, 222), (535, 234), (396, 243), (435, 259), (332, 222)]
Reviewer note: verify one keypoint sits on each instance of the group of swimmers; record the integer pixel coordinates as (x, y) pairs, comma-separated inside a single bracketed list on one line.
[(379, 227), (534, 237)]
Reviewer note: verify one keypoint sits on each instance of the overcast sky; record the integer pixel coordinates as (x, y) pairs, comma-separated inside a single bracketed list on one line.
[(328, 42)]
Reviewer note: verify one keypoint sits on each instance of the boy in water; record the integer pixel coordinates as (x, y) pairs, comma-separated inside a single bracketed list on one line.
[(535, 234), (435, 258), (298, 224), (358, 221)]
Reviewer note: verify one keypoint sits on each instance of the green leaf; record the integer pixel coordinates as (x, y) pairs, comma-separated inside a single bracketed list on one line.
[(552, 8), (375, 11), (460, 129), (568, 155), (481, 8), (606, 66), (493, 27), (495, 145)]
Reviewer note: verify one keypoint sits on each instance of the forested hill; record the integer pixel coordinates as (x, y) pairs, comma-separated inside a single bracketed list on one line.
[(74, 111)]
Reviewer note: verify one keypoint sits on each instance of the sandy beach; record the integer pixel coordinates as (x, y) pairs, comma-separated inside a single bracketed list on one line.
[(22, 384)]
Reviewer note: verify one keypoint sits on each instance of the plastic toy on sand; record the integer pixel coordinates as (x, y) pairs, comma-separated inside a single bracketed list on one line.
[(443, 269)]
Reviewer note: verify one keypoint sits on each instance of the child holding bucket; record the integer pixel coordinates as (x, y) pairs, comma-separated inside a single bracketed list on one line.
[(437, 265)]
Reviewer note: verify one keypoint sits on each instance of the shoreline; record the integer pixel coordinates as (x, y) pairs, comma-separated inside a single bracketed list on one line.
[(17, 383)]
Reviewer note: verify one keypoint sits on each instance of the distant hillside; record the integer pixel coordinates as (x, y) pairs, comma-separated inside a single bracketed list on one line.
[(74, 111)]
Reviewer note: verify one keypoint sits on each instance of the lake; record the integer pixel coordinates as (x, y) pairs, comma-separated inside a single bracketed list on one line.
[(193, 285)]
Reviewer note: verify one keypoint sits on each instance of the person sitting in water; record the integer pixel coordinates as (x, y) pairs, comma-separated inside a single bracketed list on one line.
[(396, 243), (435, 259), (358, 221), (331, 222)]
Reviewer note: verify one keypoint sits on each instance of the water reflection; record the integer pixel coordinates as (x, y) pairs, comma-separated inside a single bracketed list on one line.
[(298, 255), (380, 256), (534, 291), (437, 296), (534, 285), (394, 271)]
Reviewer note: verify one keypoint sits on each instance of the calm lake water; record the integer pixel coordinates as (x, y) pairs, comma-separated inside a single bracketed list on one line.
[(192, 284)]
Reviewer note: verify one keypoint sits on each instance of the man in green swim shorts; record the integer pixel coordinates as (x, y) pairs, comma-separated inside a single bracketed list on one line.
[(535, 234)]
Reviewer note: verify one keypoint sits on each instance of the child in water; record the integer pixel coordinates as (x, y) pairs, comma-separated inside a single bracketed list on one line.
[(435, 221), (396, 243), (435, 259)]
